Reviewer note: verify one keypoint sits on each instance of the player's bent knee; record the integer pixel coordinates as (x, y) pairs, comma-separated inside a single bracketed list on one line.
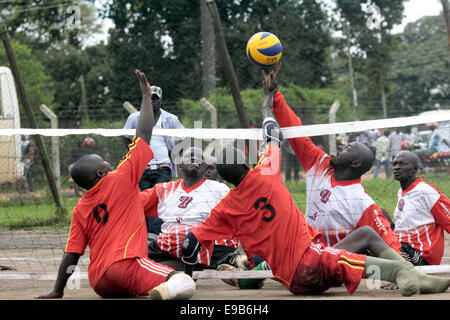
[(190, 249)]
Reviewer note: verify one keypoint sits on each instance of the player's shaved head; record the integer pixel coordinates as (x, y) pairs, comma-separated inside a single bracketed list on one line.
[(404, 167), (408, 157), (365, 155), (355, 156), (231, 165), (88, 170)]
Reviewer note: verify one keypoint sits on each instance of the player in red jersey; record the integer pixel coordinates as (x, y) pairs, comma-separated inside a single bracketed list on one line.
[(110, 219), (337, 203), (262, 215)]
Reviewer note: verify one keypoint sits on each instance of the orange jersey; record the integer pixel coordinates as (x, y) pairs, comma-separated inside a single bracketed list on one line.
[(333, 208), (110, 216), (262, 215)]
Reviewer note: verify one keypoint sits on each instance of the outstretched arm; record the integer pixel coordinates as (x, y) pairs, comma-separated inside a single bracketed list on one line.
[(271, 129), (146, 121), (306, 151), (66, 268)]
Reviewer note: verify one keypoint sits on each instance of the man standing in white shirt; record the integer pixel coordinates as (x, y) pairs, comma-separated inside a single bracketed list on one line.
[(382, 157), (161, 168)]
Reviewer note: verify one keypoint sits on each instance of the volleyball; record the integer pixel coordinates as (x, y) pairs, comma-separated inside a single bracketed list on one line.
[(264, 49)]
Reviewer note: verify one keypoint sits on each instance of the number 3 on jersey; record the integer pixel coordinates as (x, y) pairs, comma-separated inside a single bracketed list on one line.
[(262, 204)]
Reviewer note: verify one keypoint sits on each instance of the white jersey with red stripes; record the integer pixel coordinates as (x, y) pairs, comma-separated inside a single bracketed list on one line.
[(334, 208), (181, 209), (421, 216)]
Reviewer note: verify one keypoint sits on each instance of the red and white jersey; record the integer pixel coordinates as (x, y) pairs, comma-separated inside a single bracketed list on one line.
[(421, 216), (334, 208), (181, 209)]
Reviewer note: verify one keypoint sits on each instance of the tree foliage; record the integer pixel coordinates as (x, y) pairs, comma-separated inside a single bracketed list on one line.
[(421, 65), (38, 84)]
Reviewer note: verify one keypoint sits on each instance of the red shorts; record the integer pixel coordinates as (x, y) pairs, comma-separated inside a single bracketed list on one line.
[(131, 277), (322, 267)]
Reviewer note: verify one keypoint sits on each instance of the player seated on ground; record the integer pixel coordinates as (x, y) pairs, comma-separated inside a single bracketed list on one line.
[(336, 201), (111, 222), (181, 205), (261, 213), (421, 215)]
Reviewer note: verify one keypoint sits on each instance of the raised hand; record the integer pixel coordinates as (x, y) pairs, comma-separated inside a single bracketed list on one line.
[(146, 89), (271, 79)]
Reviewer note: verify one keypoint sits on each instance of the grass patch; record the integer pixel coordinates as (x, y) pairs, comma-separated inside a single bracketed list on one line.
[(40, 212), (33, 212)]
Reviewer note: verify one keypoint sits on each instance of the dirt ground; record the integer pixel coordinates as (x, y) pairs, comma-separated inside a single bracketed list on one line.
[(39, 252)]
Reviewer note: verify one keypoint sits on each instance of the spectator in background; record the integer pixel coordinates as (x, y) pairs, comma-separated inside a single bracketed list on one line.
[(161, 168), (411, 137), (382, 157), (374, 134), (395, 142), (436, 143), (27, 160), (364, 138)]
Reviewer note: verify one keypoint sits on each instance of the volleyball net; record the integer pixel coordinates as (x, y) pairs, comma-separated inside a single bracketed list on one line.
[(32, 239)]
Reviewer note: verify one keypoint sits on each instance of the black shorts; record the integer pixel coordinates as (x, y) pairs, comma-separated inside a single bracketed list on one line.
[(411, 255)]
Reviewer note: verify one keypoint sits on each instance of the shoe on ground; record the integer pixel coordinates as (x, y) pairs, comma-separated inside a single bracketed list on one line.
[(227, 267)]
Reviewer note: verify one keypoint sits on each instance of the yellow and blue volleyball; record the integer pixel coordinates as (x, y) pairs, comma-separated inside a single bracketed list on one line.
[(264, 49)]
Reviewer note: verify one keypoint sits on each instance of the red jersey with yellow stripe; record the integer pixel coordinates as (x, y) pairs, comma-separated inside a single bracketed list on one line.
[(109, 218), (334, 208), (262, 215)]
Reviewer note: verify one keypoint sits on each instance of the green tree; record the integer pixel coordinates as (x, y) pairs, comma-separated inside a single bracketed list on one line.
[(66, 67), (38, 84), (41, 24), (420, 65), (163, 39), (311, 105), (366, 27)]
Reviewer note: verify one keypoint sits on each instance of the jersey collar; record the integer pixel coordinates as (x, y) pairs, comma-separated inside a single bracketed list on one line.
[(193, 187), (412, 185), (335, 183)]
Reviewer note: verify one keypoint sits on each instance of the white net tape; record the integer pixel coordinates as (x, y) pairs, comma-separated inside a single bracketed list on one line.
[(249, 134)]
